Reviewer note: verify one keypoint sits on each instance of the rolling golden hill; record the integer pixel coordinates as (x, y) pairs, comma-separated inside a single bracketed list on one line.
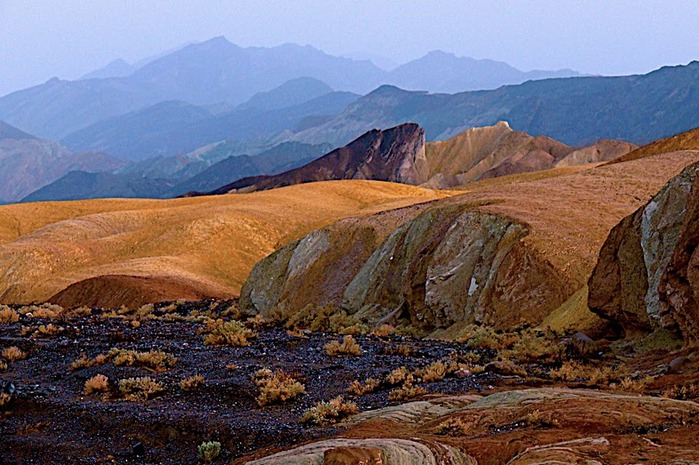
[(193, 247)]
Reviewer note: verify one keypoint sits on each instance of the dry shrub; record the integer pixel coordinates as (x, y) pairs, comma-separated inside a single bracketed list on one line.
[(453, 427), (325, 319), (531, 348), (49, 330), (368, 386), (433, 373), (192, 383), (397, 376), (685, 392), (155, 359), (636, 385), (49, 311), (481, 337), (276, 387), (3, 365), (325, 413), (384, 330), (259, 322), (4, 399), (407, 391), (574, 371), (297, 333), (140, 389), (232, 367), (208, 451), (78, 312), (85, 362), (539, 419), (8, 315), (12, 354), (98, 383), (348, 347), (230, 333), (403, 350)]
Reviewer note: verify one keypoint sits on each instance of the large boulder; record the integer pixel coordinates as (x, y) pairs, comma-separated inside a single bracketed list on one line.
[(646, 275)]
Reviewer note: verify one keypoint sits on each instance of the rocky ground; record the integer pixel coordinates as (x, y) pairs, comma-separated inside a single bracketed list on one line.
[(478, 409)]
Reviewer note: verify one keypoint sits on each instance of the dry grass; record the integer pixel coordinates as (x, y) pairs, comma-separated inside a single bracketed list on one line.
[(228, 333), (192, 383), (8, 315), (397, 376), (406, 392), (13, 354), (348, 347), (638, 385), (97, 384), (384, 330), (404, 350), (574, 371), (535, 348), (433, 373), (326, 413), (48, 331), (4, 399), (140, 389), (361, 388), (232, 367), (85, 362), (276, 387), (188, 239), (683, 392)]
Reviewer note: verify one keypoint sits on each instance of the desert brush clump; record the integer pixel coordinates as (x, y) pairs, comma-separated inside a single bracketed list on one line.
[(531, 347), (209, 450), (683, 392), (348, 347), (48, 311), (453, 427), (383, 330), (276, 387), (325, 413), (85, 362), (326, 318), (192, 383), (13, 354), (639, 385), (3, 365), (575, 371), (397, 376), (539, 419), (48, 331), (404, 350), (156, 360), (433, 372), (227, 333), (407, 391), (5, 399), (140, 389), (97, 384), (8, 315), (359, 388)]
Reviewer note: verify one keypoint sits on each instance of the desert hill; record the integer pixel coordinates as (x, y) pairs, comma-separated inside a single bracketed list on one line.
[(400, 154), (203, 243), (684, 141), (523, 248)]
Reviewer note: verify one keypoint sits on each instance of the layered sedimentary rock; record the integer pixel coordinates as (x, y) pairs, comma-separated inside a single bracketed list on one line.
[(646, 275)]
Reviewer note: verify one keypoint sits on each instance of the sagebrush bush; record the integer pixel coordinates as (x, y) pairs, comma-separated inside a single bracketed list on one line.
[(140, 389), (96, 384), (683, 392), (276, 387), (368, 386), (432, 373), (348, 347), (407, 391), (85, 362), (13, 354), (155, 359), (325, 413), (8, 315), (397, 376), (231, 333), (453, 427), (4, 399), (192, 383)]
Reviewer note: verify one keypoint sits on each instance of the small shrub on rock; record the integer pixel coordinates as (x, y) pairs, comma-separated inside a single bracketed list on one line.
[(453, 427), (325, 413)]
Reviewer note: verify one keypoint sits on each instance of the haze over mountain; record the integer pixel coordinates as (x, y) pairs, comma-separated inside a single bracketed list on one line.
[(217, 71)]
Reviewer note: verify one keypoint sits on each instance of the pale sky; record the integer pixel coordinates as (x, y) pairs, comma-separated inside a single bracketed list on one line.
[(41, 39)]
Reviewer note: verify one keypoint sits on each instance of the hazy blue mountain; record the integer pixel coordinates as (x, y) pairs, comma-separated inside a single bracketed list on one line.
[(141, 134), (28, 163), (576, 111), (217, 74), (171, 128), (182, 175), (116, 68), (445, 72)]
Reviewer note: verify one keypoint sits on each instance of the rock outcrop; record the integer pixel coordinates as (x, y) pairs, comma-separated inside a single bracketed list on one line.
[(646, 275), (502, 254), (396, 154)]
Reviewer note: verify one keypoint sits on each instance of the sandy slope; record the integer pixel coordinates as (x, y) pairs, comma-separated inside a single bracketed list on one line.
[(207, 242)]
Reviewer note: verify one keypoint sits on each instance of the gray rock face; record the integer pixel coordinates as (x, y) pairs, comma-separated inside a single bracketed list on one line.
[(436, 267), (632, 282)]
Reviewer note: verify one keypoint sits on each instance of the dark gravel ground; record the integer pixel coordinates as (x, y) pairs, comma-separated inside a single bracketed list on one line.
[(51, 421)]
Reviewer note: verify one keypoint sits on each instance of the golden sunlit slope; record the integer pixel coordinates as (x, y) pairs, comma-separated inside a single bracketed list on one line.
[(684, 141), (208, 243)]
